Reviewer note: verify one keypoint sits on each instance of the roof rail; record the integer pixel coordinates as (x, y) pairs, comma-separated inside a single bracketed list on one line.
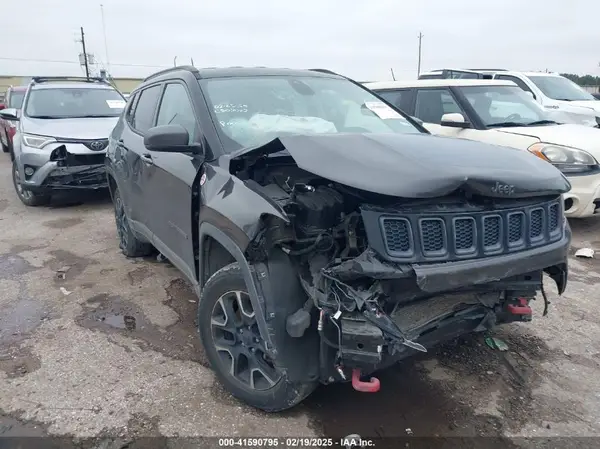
[(188, 68), (83, 79), (330, 72)]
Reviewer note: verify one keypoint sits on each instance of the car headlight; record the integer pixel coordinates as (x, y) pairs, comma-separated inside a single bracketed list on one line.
[(39, 142), (566, 159)]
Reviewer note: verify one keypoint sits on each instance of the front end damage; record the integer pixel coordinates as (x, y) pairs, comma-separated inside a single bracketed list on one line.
[(388, 276), (75, 171)]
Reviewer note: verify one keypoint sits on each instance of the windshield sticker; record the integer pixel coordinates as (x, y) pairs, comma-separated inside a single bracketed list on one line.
[(382, 110), (115, 104)]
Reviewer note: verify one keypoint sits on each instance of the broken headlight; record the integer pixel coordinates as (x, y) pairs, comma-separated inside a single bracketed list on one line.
[(39, 142), (566, 159)]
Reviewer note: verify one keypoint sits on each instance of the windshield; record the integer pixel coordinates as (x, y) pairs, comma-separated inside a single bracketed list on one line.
[(254, 110), (560, 88), (501, 105), (16, 99), (74, 102)]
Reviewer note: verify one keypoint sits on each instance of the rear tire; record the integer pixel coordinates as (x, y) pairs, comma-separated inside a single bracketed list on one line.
[(26, 196), (130, 245), (235, 349)]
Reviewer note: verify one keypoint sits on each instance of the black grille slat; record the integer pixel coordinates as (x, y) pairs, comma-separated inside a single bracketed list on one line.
[(515, 227), (464, 234), (536, 227), (491, 231), (449, 235), (397, 234), (553, 217), (432, 235)]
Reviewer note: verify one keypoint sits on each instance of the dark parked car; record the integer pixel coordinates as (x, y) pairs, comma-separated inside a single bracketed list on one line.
[(325, 232), (597, 95)]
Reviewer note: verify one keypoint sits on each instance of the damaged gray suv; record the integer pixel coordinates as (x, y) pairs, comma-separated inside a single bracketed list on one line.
[(62, 135), (326, 233)]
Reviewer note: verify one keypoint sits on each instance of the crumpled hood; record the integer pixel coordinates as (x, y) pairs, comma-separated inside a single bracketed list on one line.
[(574, 136), (72, 128), (416, 165)]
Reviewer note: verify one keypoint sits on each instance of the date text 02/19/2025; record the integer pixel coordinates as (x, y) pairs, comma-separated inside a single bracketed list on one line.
[(350, 441)]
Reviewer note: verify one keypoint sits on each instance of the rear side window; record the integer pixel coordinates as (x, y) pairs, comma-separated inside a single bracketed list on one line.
[(393, 96), (15, 99), (142, 118)]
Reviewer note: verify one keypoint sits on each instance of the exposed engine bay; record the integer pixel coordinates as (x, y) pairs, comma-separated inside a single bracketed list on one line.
[(378, 270)]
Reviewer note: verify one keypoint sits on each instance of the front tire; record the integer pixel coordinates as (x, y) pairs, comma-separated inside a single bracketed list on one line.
[(235, 348), (26, 196), (130, 245), (5, 148)]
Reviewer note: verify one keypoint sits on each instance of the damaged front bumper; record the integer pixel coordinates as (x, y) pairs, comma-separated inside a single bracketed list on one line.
[(60, 169), (429, 303)]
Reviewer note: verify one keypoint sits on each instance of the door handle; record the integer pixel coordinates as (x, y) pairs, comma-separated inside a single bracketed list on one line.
[(147, 158)]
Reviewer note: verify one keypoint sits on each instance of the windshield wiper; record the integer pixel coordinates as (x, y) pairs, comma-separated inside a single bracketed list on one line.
[(96, 115), (505, 125), (563, 99), (543, 122), (45, 117)]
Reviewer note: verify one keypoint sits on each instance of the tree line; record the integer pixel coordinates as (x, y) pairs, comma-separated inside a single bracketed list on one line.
[(585, 80)]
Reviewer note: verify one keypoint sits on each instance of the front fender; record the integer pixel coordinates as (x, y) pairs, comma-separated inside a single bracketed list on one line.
[(230, 204)]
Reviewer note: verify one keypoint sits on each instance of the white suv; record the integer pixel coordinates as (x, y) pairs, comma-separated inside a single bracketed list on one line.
[(498, 112), (556, 92)]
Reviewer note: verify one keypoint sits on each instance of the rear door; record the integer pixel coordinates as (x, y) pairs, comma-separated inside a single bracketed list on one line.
[(139, 170), (170, 187)]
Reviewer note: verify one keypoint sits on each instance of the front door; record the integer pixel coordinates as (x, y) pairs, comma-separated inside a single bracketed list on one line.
[(170, 188)]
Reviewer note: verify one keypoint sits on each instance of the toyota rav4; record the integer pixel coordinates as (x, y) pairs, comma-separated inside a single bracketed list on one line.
[(326, 233), (61, 136)]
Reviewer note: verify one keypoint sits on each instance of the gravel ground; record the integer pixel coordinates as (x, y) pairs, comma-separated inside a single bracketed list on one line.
[(96, 345)]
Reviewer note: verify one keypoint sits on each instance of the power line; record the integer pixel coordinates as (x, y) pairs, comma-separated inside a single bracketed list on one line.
[(57, 61)]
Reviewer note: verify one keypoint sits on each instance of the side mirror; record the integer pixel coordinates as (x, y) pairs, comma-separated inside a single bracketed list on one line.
[(9, 114), (454, 120), (170, 139), (417, 119)]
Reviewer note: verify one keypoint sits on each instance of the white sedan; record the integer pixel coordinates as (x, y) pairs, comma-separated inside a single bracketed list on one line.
[(500, 113)]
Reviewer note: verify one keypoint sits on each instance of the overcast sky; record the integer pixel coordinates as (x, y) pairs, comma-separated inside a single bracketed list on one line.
[(360, 38)]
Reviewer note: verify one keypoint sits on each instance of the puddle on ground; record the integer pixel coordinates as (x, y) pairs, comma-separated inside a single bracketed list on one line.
[(74, 264), (17, 319), (120, 321), (115, 314), (63, 223), (13, 266), (18, 362)]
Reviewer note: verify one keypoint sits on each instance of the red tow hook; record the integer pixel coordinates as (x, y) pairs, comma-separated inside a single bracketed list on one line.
[(522, 309), (364, 387)]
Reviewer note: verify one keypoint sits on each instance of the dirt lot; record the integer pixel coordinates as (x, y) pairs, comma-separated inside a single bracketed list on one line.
[(95, 345)]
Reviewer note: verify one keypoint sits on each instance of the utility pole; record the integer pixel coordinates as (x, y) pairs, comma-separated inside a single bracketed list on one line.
[(175, 61), (419, 64), (393, 77), (85, 56)]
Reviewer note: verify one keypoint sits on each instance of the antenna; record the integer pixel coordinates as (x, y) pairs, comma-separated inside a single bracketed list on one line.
[(105, 44)]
